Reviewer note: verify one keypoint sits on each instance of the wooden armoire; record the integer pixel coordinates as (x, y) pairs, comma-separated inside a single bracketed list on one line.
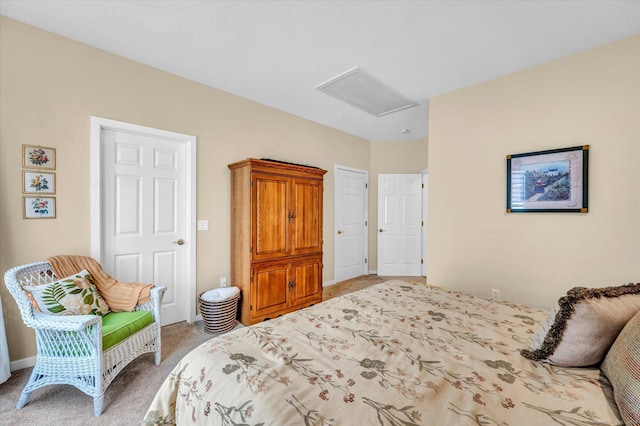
[(276, 237)]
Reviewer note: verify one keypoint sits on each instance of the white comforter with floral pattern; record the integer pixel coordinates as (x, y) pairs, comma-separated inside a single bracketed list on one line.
[(393, 354)]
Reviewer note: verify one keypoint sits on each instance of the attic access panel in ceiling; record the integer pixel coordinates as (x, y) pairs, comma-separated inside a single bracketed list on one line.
[(363, 91)]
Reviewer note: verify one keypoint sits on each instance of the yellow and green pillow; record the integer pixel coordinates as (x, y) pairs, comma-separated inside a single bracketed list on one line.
[(73, 295)]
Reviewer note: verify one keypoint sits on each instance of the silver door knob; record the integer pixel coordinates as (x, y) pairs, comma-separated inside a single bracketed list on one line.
[(179, 242)]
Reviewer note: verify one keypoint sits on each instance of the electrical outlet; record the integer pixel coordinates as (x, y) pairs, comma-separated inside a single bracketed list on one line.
[(223, 282), (495, 294), (203, 225)]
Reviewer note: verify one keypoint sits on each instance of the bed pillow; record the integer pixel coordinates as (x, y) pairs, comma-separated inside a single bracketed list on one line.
[(73, 295), (582, 327), (622, 368)]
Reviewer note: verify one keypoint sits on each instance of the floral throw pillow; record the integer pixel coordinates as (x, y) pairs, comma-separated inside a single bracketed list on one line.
[(73, 295)]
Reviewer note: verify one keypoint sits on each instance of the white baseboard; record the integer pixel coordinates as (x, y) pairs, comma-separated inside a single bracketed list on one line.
[(22, 363), (373, 272)]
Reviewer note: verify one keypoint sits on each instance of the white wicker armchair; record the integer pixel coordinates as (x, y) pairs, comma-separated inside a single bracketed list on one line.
[(69, 348)]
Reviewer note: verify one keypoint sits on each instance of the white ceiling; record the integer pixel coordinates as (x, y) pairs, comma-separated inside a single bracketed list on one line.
[(276, 52)]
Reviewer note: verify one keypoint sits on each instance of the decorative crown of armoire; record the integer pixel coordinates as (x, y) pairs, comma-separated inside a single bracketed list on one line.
[(276, 237)]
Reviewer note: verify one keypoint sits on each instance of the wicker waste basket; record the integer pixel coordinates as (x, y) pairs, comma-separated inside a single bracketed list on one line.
[(219, 309)]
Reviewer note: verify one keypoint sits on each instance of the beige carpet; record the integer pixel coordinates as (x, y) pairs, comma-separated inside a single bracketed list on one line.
[(127, 398), (125, 401), (358, 283)]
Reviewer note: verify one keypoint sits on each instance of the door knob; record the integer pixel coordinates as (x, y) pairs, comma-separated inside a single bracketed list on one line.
[(340, 231), (381, 230), (179, 242)]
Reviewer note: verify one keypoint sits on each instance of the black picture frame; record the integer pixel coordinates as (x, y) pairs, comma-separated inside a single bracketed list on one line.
[(552, 181)]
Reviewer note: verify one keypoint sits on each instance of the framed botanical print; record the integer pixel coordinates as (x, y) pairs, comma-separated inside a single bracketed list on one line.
[(39, 207), (38, 157), (38, 182)]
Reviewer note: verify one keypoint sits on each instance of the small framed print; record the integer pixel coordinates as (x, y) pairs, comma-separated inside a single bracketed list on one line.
[(38, 182), (39, 207), (38, 157)]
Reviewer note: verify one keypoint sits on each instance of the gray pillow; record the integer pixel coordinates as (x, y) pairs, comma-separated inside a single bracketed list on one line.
[(582, 327), (622, 368)]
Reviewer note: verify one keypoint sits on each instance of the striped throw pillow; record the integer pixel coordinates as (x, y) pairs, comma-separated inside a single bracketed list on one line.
[(622, 368)]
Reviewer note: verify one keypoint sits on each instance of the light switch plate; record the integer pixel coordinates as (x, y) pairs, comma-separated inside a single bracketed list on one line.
[(203, 225)]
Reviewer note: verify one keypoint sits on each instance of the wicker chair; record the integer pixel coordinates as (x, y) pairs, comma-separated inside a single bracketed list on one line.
[(69, 348)]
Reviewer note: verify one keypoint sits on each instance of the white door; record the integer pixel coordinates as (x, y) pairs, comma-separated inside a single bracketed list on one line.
[(145, 214), (399, 224), (351, 216)]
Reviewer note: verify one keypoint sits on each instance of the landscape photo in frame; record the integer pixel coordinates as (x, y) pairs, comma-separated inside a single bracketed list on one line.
[(548, 181)]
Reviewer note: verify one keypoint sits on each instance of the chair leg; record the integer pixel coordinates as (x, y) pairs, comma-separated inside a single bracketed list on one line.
[(29, 387), (97, 405), (22, 401), (157, 356)]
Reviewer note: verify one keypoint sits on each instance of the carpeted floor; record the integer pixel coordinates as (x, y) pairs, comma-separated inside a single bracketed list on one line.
[(125, 401), (127, 398), (358, 283)]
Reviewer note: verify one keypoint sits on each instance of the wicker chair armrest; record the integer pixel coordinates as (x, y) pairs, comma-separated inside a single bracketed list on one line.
[(63, 322), (155, 301), (157, 292), (68, 336)]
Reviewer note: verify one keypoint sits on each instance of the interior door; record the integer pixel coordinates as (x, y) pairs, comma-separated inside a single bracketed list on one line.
[(399, 224), (351, 218), (145, 235)]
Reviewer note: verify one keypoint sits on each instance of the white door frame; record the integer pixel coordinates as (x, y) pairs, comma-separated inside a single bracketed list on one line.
[(365, 249), (97, 125), (425, 222)]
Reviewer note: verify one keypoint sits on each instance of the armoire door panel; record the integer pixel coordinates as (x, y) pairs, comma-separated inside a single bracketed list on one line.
[(270, 216), (307, 280), (269, 289), (306, 204)]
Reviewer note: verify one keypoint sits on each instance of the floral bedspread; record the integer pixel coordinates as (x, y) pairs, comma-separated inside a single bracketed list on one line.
[(392, 354)]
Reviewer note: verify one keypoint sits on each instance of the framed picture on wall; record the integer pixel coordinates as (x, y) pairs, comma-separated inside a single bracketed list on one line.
[(548, 181), (38, 157), (38, 182), (39, 207)]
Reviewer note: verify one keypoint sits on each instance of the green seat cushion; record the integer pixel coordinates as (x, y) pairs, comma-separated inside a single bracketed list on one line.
[(117, 326)]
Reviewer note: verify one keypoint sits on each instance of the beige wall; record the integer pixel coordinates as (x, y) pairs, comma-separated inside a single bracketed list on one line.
[(589, 98), (390, 157), (50, 86)]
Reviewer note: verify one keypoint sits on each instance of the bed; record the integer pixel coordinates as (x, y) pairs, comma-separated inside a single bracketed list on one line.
[(396, 353)]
